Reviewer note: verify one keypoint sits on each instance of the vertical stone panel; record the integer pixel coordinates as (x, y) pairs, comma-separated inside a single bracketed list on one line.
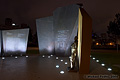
[(65, 28), (45, 35), (84, 41), (15, 41), (0, 42)]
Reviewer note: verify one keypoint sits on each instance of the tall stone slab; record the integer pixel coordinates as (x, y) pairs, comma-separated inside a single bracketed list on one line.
[(65, 28), (15, 41), (45, 35), (0, 42), (84, 41)]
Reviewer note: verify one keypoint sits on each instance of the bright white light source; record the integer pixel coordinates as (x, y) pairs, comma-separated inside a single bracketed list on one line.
[(26, 56), (56, 57), (51, 55), (109, 69), (62, 72), (93, 58), (48, 56), (43, 56), (3, 58), (103, 64), (65, 62), (15, 57), (13, 24), (70, 57), (97, 60), (61, 60), (57, 66)]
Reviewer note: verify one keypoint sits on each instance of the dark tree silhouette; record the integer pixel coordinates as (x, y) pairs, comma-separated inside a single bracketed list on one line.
[(114, 28)]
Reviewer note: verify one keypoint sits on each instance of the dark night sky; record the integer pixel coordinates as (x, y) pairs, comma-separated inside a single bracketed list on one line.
[(26, 11)]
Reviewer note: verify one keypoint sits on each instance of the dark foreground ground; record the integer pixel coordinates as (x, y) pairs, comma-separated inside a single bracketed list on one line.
[(35, 67)]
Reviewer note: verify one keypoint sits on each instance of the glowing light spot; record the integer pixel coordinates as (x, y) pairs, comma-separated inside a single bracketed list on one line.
[(56, 57), (70, 57), (50, 48), (61, 60), (3, 58), (65, 62), (43, 56), (26, 56), (93, 58), (109, 69), (57, 66), (103, 64), (62, 72), (48, 56), (90, 56), (13, 24), (16, 57), (51, 55), (97, 60), (97, 43)]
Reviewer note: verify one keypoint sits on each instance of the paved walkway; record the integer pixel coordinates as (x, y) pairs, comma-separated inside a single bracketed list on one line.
[(39, 68)]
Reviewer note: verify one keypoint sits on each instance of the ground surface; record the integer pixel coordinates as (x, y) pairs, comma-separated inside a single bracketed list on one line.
[(109, 57), (35, 68)]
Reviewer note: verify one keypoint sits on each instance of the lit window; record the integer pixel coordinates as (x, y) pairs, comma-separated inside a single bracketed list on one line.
[(97, 43)]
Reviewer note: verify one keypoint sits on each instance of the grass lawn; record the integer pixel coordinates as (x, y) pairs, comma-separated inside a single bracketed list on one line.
[(110, 59)]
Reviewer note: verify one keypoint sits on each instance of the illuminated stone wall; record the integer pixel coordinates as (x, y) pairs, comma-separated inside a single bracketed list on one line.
[(45, 35), (84, 40), (65, 28), (66, 23), (0, 42), (15, 41)]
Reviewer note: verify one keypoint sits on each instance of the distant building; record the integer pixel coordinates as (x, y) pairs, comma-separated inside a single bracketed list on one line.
[(102, 41)]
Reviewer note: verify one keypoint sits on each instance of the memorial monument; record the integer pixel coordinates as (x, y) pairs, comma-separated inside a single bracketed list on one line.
[(59, 31), (14, 41)]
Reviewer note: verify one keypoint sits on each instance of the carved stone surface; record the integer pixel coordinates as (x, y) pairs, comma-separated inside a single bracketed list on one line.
[(45, 35), (65, 28), (15, 41)]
